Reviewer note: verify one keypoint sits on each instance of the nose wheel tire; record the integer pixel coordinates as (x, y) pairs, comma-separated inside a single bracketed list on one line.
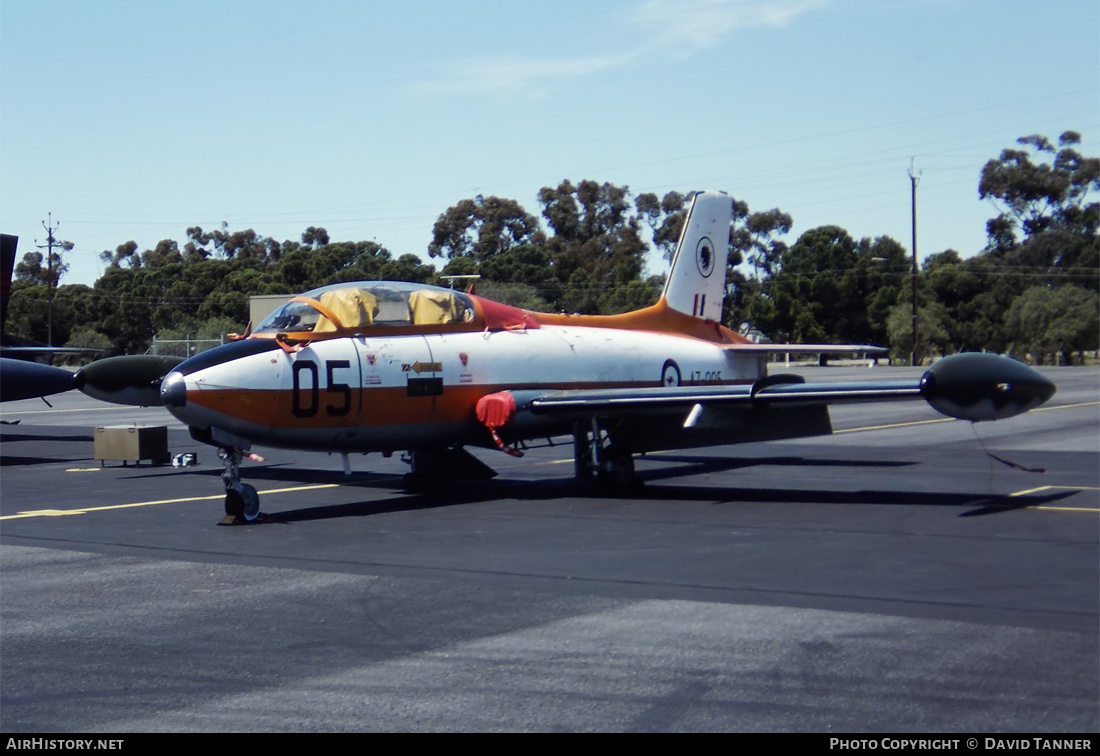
[(242, 501)]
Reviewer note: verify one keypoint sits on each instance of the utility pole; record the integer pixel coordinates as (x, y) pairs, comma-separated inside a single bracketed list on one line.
[(914, 179), (51, 259)]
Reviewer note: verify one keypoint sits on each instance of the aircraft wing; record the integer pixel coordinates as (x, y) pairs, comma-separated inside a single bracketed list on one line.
[(696, 405), (633, 401), (972, 386), (859, 349)]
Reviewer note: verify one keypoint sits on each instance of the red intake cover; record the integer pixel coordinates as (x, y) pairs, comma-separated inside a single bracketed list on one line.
[(495, 410)]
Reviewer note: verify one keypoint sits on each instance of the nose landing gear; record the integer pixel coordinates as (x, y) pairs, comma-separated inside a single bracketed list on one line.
[(242, 503)]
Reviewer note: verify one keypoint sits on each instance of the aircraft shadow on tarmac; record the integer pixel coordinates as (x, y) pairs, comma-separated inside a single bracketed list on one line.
[(696, 465), (976, 504), (12, 439), (11, 461), (691, 466), (284, 473), (651, 486), (9, 437)]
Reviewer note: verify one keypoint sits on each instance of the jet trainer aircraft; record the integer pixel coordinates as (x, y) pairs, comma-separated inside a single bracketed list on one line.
[(378, 366)]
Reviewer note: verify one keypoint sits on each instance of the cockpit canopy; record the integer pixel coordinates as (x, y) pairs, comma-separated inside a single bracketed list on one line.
[(346, 308)]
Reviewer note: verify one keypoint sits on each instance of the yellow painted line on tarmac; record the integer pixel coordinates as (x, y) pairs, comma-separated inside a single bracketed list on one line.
[(1040, 489), (84, 469), (1088, 510), (1017, 493), (104, 408), (1051, 488), (895, 425), (951, 419), (1066, 406), (65, 512)]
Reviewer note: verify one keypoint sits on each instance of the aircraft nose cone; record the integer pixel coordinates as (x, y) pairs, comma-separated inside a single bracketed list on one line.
[(173, 390)]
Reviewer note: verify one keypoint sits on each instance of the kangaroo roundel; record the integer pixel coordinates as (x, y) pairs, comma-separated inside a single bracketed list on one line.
[(704, 256), (670, 374)]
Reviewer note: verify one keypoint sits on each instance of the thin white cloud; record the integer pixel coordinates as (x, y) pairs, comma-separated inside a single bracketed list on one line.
[(682, 27), (515, 74), (691, 25)]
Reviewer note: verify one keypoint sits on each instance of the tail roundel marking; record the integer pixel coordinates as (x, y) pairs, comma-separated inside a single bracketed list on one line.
[(704, 256)]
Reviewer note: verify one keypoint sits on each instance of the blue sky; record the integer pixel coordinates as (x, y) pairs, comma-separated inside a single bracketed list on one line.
[(135, 119)]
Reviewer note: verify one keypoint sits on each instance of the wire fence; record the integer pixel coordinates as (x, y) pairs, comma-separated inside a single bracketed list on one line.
[(186, 347)]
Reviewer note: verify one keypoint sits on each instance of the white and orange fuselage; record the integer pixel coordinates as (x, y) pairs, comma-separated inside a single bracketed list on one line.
[(395, 387), (385, 366)]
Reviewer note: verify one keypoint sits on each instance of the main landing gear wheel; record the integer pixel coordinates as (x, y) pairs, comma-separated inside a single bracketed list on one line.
[(242, 503), (600, 462), (616, 471)]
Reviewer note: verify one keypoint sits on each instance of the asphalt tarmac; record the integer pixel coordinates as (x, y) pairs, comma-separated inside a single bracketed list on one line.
[(892, 577)]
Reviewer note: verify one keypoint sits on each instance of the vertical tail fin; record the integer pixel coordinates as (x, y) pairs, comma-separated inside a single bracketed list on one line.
[(697, 280)]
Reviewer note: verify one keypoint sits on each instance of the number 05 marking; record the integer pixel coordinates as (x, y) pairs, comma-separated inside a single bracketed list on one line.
[(305, 400)]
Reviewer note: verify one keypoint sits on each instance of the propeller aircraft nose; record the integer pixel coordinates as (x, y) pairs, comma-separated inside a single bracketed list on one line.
[(26, 380), (133, 380)]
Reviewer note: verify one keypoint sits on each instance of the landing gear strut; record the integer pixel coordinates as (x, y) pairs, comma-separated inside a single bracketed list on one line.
[(600, 459), (241, 500)]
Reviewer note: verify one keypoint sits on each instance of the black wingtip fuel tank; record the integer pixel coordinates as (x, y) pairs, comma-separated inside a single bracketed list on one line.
[(978, 386)]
